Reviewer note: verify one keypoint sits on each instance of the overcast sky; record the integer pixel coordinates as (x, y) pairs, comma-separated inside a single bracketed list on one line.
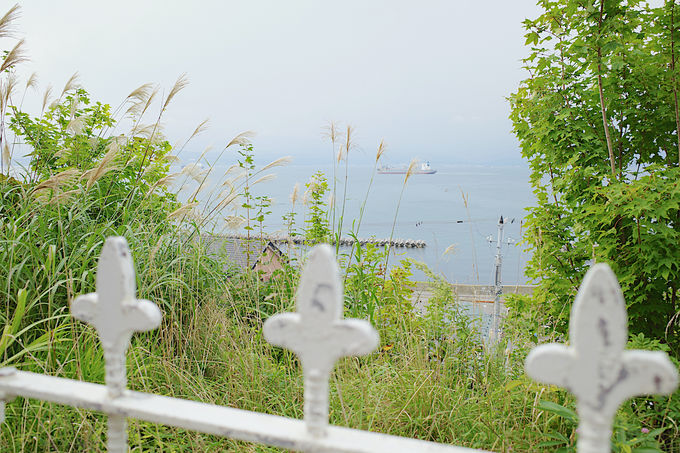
[(430, 77)]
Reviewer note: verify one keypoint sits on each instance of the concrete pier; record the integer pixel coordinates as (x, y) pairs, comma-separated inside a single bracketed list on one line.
[(284, 239)]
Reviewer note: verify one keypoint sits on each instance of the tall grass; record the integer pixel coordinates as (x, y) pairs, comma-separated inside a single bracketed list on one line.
[(409, 172)]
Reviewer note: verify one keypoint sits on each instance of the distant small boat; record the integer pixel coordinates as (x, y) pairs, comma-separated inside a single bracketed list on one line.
[(424, 169)]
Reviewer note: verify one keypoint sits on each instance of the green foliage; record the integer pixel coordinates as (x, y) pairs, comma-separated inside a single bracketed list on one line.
[(71, 154), (66, 136), (628, 436), (364, 281), (597, 121), (246, 161), (317, 230)]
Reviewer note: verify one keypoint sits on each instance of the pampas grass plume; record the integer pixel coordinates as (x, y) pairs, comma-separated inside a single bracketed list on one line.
[(241, 139), (280, 162), (180, 84), (7, 22), (265, 178), (411, 169), (141, 93), (294, 194), (234, 222), (46, 97), (451, 249), (381, 150), (58, 180), (6, 157), (32, 81), (182, 210), (71, 84), (14, 57)]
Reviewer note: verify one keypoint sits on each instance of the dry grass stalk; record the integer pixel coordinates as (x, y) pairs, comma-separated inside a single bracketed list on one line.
[(60, 179), (412, 167), (63, 197), (306, 195), (234, 222), (265, 178), (294, 194), (6, 156), (53, 196), (14, 57), (135, 109), (231, 170), (180, 84), (6, 90), (147, 131), (169, 159), (450, 250), (138, 109), (158, 165), (166, 181), (106, 165), (239, 177), (7, 29), (74, 106), (62, 153), (332, 132), (76, 125), (241, 139), (229, 199), (183, 210), (202, 127), (46, 97), (225, 193), (71, 84), (141, 94), (280, 162), (205, 151), (381, 150), (194, 171), (229, 186), (194, 215), (32, 81), (349, 144)]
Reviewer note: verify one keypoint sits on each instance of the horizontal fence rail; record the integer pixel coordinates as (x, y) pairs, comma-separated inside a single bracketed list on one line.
[(594, 367)]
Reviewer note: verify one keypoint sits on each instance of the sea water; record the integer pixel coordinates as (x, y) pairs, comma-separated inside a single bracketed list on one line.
[(432, 209)]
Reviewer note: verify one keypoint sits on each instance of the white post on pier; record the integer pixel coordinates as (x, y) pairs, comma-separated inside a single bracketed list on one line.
[(497, 286), (116, 314), (595, 367), (318, 334)]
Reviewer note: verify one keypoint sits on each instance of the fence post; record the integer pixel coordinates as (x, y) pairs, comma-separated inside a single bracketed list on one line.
[(595, 367), (116, 314), (318, 334)]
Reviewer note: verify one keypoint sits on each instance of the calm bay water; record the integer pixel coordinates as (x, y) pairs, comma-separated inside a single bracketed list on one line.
[(432, 209)]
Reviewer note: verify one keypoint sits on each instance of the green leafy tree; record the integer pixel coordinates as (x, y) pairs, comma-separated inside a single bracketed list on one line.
[(317, 229), (71, 150), (598, 123)]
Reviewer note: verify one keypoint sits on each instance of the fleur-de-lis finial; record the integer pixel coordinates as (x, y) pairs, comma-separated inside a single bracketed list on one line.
[(596, 368), (318, 334), (116, 314)]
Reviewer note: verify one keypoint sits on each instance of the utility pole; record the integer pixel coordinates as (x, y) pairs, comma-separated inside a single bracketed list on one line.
[(498, 288)]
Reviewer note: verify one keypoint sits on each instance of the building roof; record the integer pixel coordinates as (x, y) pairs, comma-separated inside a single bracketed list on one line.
[(236, 250)]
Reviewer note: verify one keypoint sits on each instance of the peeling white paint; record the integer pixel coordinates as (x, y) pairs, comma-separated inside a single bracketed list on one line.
[(595, 367)]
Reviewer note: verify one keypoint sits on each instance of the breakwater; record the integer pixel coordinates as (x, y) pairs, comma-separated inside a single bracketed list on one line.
[(284, 239)]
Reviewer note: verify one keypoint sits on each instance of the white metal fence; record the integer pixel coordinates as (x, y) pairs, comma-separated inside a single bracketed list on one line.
[(594, 367)]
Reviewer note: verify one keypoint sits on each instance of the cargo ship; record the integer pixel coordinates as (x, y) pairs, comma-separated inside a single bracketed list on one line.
[(424, 169)]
